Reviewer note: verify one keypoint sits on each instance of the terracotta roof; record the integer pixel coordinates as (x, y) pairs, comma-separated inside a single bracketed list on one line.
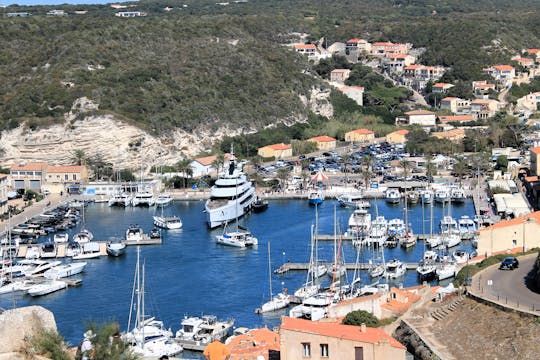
[(456, 118), (322, 138), (503, 67), (413, 67), (533, 51), (304, 46), (341, 70), (449, 133), (359, 299), (419, 112), (536, 150), (339, 331), (482, 101), (353, 87), (401, 132), (3, 176), (383, 44), (356, 41), (64, 169), (399, 56), (449, 98), (531, 178), (484, 86), (207, 160), (524, 60), (442, 85), (281, 146), (363, 131), (29, 166), (516, 221), (255, 342)]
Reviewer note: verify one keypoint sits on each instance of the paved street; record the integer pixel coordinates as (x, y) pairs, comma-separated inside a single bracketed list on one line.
[(508, 286)]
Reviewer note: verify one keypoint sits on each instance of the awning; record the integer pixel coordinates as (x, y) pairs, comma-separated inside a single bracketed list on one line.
[(319, 177)]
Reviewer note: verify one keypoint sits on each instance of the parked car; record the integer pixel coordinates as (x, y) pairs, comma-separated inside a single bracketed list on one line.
[(509, 263)]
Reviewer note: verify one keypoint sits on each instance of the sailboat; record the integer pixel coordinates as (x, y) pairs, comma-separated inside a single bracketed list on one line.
[(147, 337), (241, 237), (427, 267), (408, 239), (277, 302), (84, 235), (377, 267)]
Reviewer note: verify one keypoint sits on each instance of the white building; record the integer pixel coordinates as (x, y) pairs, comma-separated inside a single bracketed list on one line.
[(355, 93), (417, 117)]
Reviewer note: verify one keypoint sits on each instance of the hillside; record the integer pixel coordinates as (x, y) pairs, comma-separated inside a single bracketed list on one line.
[(208, 67)]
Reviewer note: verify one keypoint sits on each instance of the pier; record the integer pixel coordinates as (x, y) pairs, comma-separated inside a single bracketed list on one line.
[(350, 266)]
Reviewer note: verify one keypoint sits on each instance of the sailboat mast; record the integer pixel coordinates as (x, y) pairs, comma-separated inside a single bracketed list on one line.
[(269, 271)]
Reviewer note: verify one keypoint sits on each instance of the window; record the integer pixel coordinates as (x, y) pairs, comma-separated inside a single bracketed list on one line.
[(324, 350), (514, 242), (74, 176), (65, 176), (306, 349)]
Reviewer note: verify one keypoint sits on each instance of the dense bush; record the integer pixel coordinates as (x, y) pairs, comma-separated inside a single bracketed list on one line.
[(359, 317)]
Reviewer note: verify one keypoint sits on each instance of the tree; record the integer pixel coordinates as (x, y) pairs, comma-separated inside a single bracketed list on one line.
[(460, 168), (126, 175), (346, 158), (79, 156), (502, 163), (183, 166), (367, 176), (282, 175), (218, 163), (406, 166), (359, 317), (367, 162), (431, 169), (107, 343)]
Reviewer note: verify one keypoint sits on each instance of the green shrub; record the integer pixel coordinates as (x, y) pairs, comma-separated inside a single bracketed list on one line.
[(359, 317)]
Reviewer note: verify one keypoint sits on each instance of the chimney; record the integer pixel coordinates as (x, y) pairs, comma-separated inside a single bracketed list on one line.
[(363, 328)]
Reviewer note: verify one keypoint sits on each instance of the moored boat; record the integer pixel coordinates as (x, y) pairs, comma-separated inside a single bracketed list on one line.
[(260, 205), (46, 287), (64, 270), (392, 196), (315, 197), (116, 248)]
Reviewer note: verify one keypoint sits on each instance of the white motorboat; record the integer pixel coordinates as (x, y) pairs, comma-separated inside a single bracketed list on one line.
[(313, 308), (148, 336), (16, 285), (41, 267), (277, 302), (134, 233), (61, 238), (460, 256), (120, 199), (231, 197), (143, 198), (413, 197), (46, 287), (33, 252), (426, 270), (457, 195), (449, 225), (377, 270), (395, 269), (84, 236), (393, 196), (64, 270), (116, 248), (355, 201), (359, 222), (90, 250), (408, 239), (168, 222), (238, 238), (163, 199), (442, 195), (377, 236), (451, 240), (48, 250), (307, 290), (426, 196), (446, 270), (197, 332), (434, 240), (396, 227), (467, 227)]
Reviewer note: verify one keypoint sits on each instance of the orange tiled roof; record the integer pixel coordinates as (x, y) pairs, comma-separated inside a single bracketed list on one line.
[(419, 112), (339, 331), (384, 44), (3, 176), (398, 56), (516, 221), (531, 178), (401, 132), (352, 41), (340, 70), (345, 88), (503, 67), (484, 86), (359, 299), (281, 146), (450, 98), (64, 169), (255, 342), (481, 101), (533, 51), (363, 131), (442, 85), (207, 160), (413, 67), (452, 118), (536, 150), (525, 60), (449, 133), (322, 138), (29, 166), (304, 46)]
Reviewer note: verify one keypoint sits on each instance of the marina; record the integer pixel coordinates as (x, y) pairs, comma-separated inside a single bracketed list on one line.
[(241, 274)]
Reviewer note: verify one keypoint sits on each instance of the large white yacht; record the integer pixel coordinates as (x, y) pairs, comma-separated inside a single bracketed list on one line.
[(120, 199), (231, 196), (143, 198)]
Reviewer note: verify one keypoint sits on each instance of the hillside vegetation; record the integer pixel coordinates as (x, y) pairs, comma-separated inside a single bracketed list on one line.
[(204, 65)]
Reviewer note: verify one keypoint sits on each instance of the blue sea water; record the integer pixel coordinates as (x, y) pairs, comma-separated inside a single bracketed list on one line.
[(189, 274)]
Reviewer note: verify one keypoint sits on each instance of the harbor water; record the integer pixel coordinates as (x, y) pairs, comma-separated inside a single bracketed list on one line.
[(189, 274)]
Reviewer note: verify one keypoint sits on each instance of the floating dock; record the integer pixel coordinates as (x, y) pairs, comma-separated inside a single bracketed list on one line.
[(350, 266)]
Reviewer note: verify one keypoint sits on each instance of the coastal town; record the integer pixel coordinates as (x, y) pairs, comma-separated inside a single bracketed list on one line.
[(414, 238)]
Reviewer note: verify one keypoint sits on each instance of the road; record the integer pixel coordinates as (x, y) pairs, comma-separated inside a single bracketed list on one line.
[(509, 287)]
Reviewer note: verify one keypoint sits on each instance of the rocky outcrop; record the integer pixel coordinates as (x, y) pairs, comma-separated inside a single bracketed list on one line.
[(21, 323)]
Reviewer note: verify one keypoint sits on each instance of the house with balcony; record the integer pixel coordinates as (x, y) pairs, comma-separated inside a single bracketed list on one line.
[(529, 101), (4, 184), (324, 142), (276, 151), (384, 49), (454, 135), (355, 93), (396, 63), (423, 118), (503, 73), (306, 339), (441, 88), (455, 105), (339, 75), (525, 62), (359, 45), (28, 176), (484, 108), (461, 119), (359, 135), (481, 89), (534, 53), (417, 76), (307, 49)]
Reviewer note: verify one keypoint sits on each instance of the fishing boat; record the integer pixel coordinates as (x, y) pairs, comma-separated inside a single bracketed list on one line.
[(116, 248), (163, 199), (46, 287), (148, 336), (231, 197), (60, 238), (442, 195), (460, 256), (315, 197), (354, 201), (394, 269), (64, 270), (260, 205), (278, 301), (393, 196), (426, 196), (196, 333)]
